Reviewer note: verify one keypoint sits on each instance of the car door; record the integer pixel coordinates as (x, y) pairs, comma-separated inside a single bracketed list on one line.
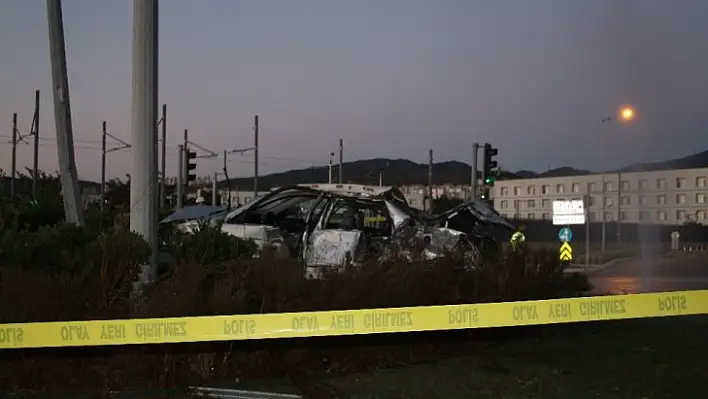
[(334, 240)]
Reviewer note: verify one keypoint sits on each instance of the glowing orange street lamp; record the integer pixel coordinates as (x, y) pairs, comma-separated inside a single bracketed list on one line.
[(626, 113)]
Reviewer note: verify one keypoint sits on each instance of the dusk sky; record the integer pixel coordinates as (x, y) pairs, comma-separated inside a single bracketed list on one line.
[(393, 78)]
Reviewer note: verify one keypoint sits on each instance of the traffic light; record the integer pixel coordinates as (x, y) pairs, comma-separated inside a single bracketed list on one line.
[(489, 163), (191, 165)]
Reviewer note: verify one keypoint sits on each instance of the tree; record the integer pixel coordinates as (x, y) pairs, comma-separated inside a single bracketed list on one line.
[(118, 192)]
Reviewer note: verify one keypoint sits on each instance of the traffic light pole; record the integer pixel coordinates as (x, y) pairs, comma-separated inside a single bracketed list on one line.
[(430, 181), (473, 180), (180, 176), (488, 166)]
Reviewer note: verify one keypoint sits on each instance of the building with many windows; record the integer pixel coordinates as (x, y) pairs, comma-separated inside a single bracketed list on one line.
[(661, 197)]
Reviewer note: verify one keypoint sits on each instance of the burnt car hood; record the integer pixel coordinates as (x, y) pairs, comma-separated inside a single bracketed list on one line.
[(479, 210)]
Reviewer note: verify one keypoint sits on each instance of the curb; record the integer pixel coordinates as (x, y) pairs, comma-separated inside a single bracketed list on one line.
[(598, 268)]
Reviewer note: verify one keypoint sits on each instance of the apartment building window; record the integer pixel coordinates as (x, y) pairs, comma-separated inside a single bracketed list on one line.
[(545, 189), (546, 216), (609, 216), (661, 199), (504, 191), (575, 187), (701, 214), (625, 200), (592, 187), (591, 216), (680, 215), (517, 204), (700, 198), (700, 182), (504, 204), (680, 182), (643, 184), (531, 190), (661, 215), (680, 199), (545, 203), (591, 200), (624, 215), (532, 216), (625, 185), (560, 189), (643, 216), (609, 201), (531, 204), (643, 200), (608, 186), (517, 191)]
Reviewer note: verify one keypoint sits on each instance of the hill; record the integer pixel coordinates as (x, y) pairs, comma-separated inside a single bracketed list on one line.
[(392, 172), (699, 160), (401, 172), (405, 172)]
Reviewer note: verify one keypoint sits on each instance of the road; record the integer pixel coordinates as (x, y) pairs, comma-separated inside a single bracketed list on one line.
[(671, 272)]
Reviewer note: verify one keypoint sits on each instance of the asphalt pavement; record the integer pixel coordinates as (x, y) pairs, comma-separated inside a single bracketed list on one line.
[(679, 271)]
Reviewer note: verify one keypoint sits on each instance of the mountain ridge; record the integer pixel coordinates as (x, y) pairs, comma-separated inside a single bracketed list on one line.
[(406, 172)]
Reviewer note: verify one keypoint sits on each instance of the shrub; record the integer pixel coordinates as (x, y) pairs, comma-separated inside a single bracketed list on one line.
[(208, 245), (66, 273), (71, 274)]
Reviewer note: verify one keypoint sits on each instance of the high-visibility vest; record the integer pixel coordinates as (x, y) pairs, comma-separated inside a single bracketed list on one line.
[(518, 237)]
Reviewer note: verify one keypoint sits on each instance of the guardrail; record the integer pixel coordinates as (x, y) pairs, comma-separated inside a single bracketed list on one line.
[(350, 322)]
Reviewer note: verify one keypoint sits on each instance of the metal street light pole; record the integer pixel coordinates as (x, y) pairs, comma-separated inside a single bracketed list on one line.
[(626, 114)]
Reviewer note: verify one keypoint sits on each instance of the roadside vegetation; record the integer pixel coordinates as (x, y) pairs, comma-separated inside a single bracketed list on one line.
[(50, 271)]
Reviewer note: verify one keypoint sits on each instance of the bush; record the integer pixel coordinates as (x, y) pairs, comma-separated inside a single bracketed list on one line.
[(65, 273)]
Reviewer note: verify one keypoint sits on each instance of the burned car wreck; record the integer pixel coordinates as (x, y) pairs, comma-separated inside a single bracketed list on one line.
[(332, 225)]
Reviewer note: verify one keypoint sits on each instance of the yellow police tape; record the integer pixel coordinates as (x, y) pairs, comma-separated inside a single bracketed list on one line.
[(351, 322)]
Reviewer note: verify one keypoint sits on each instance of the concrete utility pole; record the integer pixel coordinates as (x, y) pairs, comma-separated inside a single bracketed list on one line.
[(13, 167), (255, 156), (213, 189), (331, 159), (163, 170), (430, 181), (143, 184), (180, 176), (35, 132), (473, 180), (62, 115), (103, 164), (341, 161)]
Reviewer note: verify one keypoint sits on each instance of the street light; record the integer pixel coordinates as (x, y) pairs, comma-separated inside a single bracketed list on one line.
[(626, 114)]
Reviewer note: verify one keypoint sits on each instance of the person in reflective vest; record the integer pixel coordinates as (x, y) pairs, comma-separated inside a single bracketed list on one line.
[(518, 238)]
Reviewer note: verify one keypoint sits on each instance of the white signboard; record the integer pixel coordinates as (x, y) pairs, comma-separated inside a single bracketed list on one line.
[(568, 212)]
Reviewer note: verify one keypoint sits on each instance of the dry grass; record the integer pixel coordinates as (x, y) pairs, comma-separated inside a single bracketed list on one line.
[(241, 287)]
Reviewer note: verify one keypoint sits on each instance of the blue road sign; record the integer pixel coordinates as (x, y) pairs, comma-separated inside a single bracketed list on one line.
[(565, 235)]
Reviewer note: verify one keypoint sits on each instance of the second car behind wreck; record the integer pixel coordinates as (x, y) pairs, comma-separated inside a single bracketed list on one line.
[(332, 225)]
